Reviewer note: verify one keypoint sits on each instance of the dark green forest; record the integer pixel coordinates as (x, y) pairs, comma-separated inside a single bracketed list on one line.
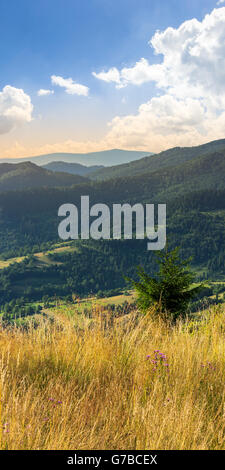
[(191, 182)]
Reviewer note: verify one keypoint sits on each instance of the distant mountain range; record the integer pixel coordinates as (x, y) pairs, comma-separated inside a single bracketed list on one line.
[(72, 168), (166, 159), (177, 169), (27, 175), (105, 158), (159, 178)]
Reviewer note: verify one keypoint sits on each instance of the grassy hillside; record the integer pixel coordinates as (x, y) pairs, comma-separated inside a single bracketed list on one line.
[(41, 257), (81, 269), (71, 384), (28, 175)]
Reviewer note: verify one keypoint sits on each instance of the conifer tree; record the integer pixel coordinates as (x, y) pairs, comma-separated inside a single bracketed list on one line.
[(171, 290)]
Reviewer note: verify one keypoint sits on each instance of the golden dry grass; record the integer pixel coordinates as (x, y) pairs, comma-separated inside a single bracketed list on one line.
[(64, 387), (41, 256)]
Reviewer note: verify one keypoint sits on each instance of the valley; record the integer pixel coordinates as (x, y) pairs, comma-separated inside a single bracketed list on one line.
[(35, 264)]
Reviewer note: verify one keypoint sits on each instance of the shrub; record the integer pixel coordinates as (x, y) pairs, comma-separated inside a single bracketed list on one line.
[(171, 290)]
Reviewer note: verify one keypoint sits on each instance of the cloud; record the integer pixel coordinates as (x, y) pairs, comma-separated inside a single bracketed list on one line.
[(113, 75), (165, 122), (71, 87), (191, 81), (140, 73), (43, 92), (193, 60), (15, 108), (161, 123), (190, 107), (220, 2)]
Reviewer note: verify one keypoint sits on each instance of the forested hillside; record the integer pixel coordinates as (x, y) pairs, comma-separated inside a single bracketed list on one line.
[(28, 175), (194, 192), (169, 158), (72, 168)]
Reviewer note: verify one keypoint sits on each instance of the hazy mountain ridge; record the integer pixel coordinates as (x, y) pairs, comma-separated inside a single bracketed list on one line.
[(105, 157)]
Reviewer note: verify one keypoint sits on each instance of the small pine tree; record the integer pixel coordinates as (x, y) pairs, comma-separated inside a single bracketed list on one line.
[(171, 290)]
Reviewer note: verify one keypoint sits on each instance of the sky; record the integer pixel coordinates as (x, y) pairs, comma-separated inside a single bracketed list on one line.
[(89, 75)]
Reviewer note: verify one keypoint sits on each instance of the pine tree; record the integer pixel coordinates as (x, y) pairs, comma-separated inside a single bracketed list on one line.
[(171, 290)]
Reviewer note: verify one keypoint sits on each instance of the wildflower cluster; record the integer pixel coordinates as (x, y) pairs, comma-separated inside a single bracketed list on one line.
[(208, 366), (54, 403), (6, 428), (158, 360)]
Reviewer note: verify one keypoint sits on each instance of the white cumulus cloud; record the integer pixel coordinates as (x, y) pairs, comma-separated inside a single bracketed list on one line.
[(15, 108), (43, 92), (113, 75), (140, 73), (191, 81), (193, 60), (71, 87)]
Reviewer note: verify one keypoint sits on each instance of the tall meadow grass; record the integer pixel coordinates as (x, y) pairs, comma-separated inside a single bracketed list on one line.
[(140, 384)]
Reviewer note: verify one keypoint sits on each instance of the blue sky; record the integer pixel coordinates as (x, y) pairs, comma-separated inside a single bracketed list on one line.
[(74, 39)]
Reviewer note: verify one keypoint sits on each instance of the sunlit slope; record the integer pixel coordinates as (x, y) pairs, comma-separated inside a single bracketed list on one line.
[(136, 385)]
